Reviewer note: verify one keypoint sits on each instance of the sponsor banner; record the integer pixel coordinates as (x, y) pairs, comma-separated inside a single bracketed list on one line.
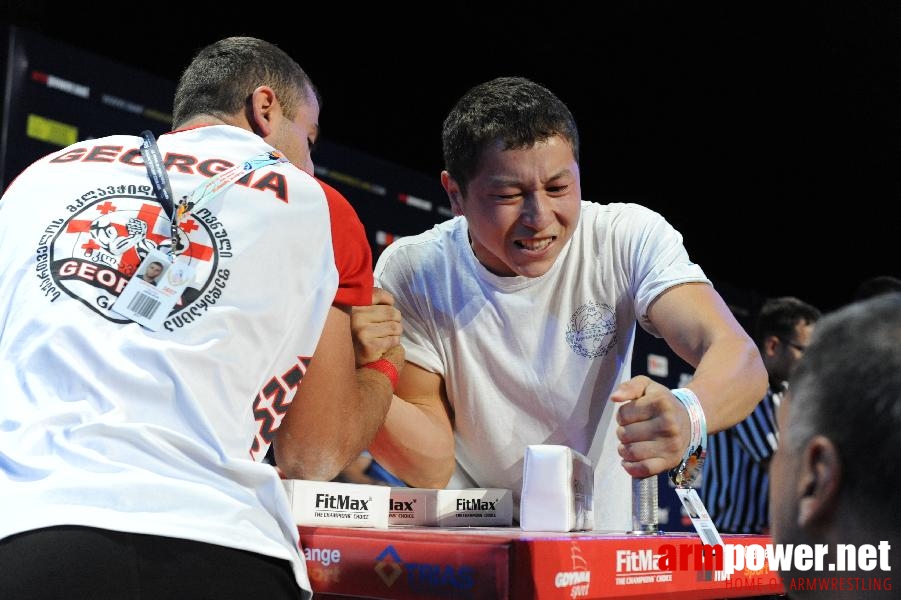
[(603, 566), (412, 566), (63, 85), (507, 563)]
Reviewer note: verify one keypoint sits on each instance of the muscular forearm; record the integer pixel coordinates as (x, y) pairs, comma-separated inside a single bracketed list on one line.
[(337, 409), (655, 427), (729, 377), (416, 444), (336, 433), (729, 381)]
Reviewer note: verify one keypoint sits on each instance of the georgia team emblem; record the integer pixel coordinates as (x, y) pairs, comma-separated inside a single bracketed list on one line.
[(97, 250)]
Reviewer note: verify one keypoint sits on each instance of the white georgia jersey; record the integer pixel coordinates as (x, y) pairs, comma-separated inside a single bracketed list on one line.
[(106, 423)]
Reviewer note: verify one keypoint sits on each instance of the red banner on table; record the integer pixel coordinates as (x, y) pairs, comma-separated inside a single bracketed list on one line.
[(418, 563)]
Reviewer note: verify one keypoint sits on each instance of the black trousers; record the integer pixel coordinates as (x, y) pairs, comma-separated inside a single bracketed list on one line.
[(83, 563)]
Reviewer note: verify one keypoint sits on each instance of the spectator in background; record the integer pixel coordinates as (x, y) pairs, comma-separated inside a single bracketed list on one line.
[(834, 477), (735, 484), (874, 286)]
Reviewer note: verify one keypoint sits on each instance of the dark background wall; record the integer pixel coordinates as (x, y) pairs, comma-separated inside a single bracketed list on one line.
[(767, 133)]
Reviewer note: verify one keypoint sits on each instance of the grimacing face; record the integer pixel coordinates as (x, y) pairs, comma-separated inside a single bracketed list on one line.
[(522, 206)]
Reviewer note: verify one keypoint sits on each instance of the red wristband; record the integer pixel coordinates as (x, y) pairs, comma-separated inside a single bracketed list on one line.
[(386, 368)]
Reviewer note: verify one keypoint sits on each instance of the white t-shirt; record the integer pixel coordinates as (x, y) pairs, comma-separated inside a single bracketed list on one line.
[(534, 360), (106, 423)]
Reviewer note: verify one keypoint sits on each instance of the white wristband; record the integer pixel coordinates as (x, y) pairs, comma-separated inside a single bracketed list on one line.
[(688, 471)]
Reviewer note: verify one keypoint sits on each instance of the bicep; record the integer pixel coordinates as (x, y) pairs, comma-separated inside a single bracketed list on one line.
[(690, 317)]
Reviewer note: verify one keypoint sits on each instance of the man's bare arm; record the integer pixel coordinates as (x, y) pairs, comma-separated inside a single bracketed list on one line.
[(337, 408), (416, 442), (729, 380)]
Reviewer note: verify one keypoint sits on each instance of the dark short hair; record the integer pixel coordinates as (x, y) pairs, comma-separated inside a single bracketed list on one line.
[(779, 316), (847, 387), (875, 286), (513, 110), (223, 75)]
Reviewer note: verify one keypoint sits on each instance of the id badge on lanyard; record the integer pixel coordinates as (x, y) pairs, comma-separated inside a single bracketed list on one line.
[(161, 278)]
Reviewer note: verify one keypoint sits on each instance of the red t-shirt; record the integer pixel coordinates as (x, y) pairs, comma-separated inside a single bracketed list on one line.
[(353, 256)]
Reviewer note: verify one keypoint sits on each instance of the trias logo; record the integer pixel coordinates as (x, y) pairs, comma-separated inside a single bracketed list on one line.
[(426, 579), (476, 504), (341, 502)]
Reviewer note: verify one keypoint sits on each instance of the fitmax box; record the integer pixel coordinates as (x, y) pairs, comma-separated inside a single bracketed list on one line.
[(341, 504), (470, 507)]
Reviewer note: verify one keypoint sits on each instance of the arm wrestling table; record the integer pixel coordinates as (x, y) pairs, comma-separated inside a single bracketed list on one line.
[(506, 563)]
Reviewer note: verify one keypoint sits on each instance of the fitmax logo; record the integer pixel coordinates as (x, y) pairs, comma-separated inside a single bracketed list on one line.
[(475, 504), (629, 561), (341, 502), (401, 505)]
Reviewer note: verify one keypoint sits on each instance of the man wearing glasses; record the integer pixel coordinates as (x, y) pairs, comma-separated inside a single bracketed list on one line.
[(735, 485)]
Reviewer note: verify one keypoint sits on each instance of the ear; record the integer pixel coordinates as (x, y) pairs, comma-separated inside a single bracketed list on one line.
[(263, 107), (453, 192), (770, 343), (819, 482)]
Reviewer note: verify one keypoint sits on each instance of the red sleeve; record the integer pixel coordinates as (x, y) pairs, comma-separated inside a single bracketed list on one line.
[(353, 256)]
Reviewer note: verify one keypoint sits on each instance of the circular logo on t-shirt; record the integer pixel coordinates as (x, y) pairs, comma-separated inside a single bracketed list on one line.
[(592, 330), (98, 249)]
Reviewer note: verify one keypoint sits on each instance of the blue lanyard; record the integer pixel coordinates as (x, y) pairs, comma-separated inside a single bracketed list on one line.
[(203, 193)]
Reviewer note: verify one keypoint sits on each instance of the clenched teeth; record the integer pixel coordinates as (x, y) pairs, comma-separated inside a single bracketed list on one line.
[(535, 244)]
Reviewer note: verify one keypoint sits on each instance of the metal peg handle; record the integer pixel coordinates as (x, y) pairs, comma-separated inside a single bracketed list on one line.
[(644, 506)]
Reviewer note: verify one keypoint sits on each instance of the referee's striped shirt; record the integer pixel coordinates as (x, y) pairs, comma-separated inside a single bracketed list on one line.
[(735, 486)]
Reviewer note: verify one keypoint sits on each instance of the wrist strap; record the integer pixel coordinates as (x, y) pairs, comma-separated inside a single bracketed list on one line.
[(688, 471), (386, 368)]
